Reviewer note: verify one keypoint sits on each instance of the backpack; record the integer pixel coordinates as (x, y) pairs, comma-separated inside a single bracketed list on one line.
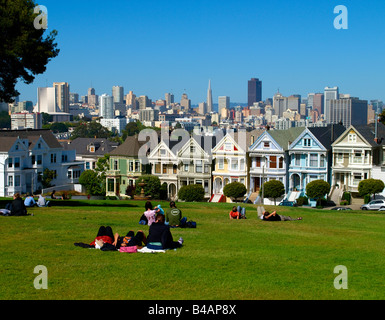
[(191, 224)]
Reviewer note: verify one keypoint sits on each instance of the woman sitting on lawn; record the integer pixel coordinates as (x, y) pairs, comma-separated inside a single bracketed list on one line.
[(234, 214)]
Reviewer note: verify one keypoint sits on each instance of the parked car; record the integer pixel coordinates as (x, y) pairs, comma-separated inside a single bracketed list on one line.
[(341, 208), (374, 205)]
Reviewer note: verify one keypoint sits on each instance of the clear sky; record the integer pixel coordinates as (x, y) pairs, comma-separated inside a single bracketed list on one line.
[(158, 46)]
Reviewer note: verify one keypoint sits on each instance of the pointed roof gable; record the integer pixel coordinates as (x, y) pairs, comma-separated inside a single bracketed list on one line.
[(327, 135), (286, 137)]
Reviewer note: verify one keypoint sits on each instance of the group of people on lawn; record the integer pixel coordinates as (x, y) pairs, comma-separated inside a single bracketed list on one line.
[(18, 206), (159, 236)]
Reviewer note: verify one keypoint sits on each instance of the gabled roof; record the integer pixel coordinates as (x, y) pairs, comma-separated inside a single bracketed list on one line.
[(129, 148), (33, 135), (102, 146), (6, 143), (286, 137), (327, 135), (368, 133)]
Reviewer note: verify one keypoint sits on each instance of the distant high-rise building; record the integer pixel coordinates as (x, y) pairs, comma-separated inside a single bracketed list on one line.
[(46, 100), (223, 103), (62, 96), (106, 108), (202, 108), (209, 99), (254, 91), (92, 97), (74, 97), (279, 104), (293, 102), (131, 100), (118, 93), (185, 102), (330, 93), (144, 102), (169, 97), (24, 120), (349, 111), (318, 103)]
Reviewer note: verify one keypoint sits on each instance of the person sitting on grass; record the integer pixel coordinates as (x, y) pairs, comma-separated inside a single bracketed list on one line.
[(234, 214), (173, 215), (42, 202), (149, 214), (267, 216), (131, 239), (29, 201), (160, 236), (18, 206)]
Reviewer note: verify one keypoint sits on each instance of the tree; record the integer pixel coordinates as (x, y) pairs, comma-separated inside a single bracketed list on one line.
[(90, 130), (234, 190), (47, 177), (152, 187), (273, 189), (92, 182), (191, 192), (370, 186), (317, 189), (5, 120), (24, 50)]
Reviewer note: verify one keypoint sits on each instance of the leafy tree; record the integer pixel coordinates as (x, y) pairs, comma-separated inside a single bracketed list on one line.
[(92, 182), (273, 189), (47, 177), (152, 187), (191, 192), (58, 127), (24, 50), (234, 190), (90, 130), (370, 186), (317, 189), (5, 120)]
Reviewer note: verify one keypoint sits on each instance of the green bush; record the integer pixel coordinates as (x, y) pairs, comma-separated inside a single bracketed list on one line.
[(302, 201), (152, 187), (344, 202), (366, 198), (192, 192), (348, 197), (234, 190)]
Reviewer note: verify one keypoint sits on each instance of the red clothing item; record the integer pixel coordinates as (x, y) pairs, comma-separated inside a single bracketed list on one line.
[(234, 214), (105, 239)]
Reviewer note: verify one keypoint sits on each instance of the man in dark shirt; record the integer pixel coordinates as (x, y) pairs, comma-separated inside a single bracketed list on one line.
[(160, 233), (18, 207), (276, 217)]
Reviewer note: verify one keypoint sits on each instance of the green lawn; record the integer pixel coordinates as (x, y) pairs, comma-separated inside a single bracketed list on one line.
[(221, 259)]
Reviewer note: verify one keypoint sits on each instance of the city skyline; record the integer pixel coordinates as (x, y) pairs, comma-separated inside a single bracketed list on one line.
[(163, 49)]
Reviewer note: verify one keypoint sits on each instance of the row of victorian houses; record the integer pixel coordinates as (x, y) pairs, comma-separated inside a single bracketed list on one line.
[(296, 156)]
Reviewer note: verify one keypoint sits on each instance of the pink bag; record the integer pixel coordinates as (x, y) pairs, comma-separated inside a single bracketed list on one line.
[(131, 249)]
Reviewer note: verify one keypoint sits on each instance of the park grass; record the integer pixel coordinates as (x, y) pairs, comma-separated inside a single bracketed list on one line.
[(221, 259)]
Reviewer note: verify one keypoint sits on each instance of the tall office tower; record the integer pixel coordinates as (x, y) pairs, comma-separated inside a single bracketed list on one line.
[(185, 103), (223, 103), (293, 102), (106, 108), (118, 93), (318, 103), (349, 111), (131, 99), (330, 93), (279, 104), (202, 108), (46, 100), (74, 97), (144, 102), (209, 99), (310, 100), (378, 105), (254, 91), (62, 96), (169, 99)]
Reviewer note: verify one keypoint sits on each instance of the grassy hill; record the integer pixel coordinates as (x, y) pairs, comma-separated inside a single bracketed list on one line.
[(221, 259)]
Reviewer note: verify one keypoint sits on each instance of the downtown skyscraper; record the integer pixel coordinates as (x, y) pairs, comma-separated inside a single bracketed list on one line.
[(209, 99), (254, 91)]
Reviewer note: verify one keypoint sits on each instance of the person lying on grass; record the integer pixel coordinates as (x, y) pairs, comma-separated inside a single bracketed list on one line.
[(131, 239), (267, 216)]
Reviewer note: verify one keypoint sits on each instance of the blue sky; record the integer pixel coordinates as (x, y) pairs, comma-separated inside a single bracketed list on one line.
[(154, 47)]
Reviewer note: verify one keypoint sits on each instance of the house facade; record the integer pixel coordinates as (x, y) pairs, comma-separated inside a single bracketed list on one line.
[(358, 154), (126, 166), (26, 154)]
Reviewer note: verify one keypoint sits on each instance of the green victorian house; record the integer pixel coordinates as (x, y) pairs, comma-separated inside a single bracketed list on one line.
[(127, 163)]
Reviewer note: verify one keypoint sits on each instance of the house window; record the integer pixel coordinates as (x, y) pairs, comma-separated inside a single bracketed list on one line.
[(17, 181), (313, 160), (312, 178), (137, 166), (228, 146), (10, 181), (234, 164), (340, 158), (53, 157), (110, 185), (198, 166), (162, 152), (266, 144), (357, 156), (174, 169), (322, 161), (69, 174), (39, 159), (207, 168), (356, 178), (281, 162), (157, 167), (273, 162), (186, 167), (115, 164), (164, 168), (242, 164), (131, 166), (297, 159), (192, 149), (352, 137), (258, 162), (221, 163), (39, 145), (307, 142), (17, 162), (10, 162)]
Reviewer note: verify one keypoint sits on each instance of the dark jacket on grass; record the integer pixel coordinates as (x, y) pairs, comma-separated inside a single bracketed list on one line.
[(18, 208), (159, 232)]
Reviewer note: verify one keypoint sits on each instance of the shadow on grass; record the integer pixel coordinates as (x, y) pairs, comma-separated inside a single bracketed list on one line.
[(82, 203)]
